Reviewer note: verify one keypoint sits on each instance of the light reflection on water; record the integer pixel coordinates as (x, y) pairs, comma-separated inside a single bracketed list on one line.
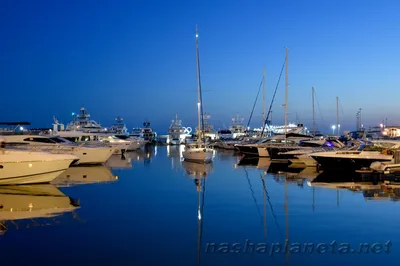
[(152, 208)]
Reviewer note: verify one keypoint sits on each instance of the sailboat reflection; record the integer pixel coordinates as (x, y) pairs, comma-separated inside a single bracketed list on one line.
[(84, 175), (33, 201), (200, 173), (118, 161), (197, 170)]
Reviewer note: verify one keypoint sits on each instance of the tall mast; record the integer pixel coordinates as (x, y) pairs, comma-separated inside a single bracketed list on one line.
[(313, 113), (198, 88), (286, 90), (337, 116), (264, 113)]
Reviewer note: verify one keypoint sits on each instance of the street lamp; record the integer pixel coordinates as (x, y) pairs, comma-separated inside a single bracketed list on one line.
[(333, 129), (338, 129)]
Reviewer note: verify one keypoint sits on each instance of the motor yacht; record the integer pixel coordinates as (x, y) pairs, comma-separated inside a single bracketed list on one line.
[(177, 133), (81, 122), (27, 167), (55, 144)]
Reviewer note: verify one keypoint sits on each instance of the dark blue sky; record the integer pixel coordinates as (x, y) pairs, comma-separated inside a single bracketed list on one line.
[(137, 59)]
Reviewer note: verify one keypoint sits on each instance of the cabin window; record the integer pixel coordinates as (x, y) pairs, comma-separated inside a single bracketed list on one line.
[(40, 140)]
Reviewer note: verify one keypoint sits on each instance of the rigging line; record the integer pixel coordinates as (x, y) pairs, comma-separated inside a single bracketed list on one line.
[(319, 109), (270, 205), (252, 192), (273, 98), (254, 105), (340, 105), (201, 96)]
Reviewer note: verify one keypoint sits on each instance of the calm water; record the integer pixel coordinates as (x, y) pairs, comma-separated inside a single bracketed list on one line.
[(157, 210)]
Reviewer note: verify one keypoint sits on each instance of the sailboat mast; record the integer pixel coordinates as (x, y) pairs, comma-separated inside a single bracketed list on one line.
[(264, 99), (286, 90), (313, 112), (198, 88), (337, 116)]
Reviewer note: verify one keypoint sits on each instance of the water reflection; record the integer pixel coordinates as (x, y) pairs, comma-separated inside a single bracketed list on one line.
[(255, 162), (30, 202), (174, 152), (226, 155), (118, 161), (370, 190), (199, 172), (145, 154), (84, 175)]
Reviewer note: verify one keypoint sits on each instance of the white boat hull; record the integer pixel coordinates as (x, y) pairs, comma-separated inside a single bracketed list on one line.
[(135, 145), (204, 155), (93, 155), (35, 170)]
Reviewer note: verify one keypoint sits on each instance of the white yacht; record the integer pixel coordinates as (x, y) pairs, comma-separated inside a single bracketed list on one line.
[(176, 132), (32, 201), (207, 128), (26, 167), (54, 144), (198, 151), (81, 122), (118, 143), (119, 128), (364, 157), (237, 127)]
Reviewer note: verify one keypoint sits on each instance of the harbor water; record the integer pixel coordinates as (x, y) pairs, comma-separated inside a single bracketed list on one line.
[(150, 208)]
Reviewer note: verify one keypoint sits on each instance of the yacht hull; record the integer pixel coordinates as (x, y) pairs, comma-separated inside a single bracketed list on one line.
[(32, 172), (198, 155), (93, 155), (346, 164), (278, 153), (254, 151), (135, 145)]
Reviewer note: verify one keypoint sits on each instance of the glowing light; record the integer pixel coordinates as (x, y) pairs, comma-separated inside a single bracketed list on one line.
[(73, 114), (381, 125), (197, 35), (333, 129), (30, 165), (21, 128)]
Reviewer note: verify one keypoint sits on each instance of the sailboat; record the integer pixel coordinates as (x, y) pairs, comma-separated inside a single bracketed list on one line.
[(198, 151)]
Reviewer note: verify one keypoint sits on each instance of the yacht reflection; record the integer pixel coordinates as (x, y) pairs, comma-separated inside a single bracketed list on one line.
[(255, 162), (144, 155), (30, 202), (197, 170), (175, 153), (84, 175), (371, 190), (118, 161)]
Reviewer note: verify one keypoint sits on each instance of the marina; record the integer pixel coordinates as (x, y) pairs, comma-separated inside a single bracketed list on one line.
[(240, 201), (209, 134)]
